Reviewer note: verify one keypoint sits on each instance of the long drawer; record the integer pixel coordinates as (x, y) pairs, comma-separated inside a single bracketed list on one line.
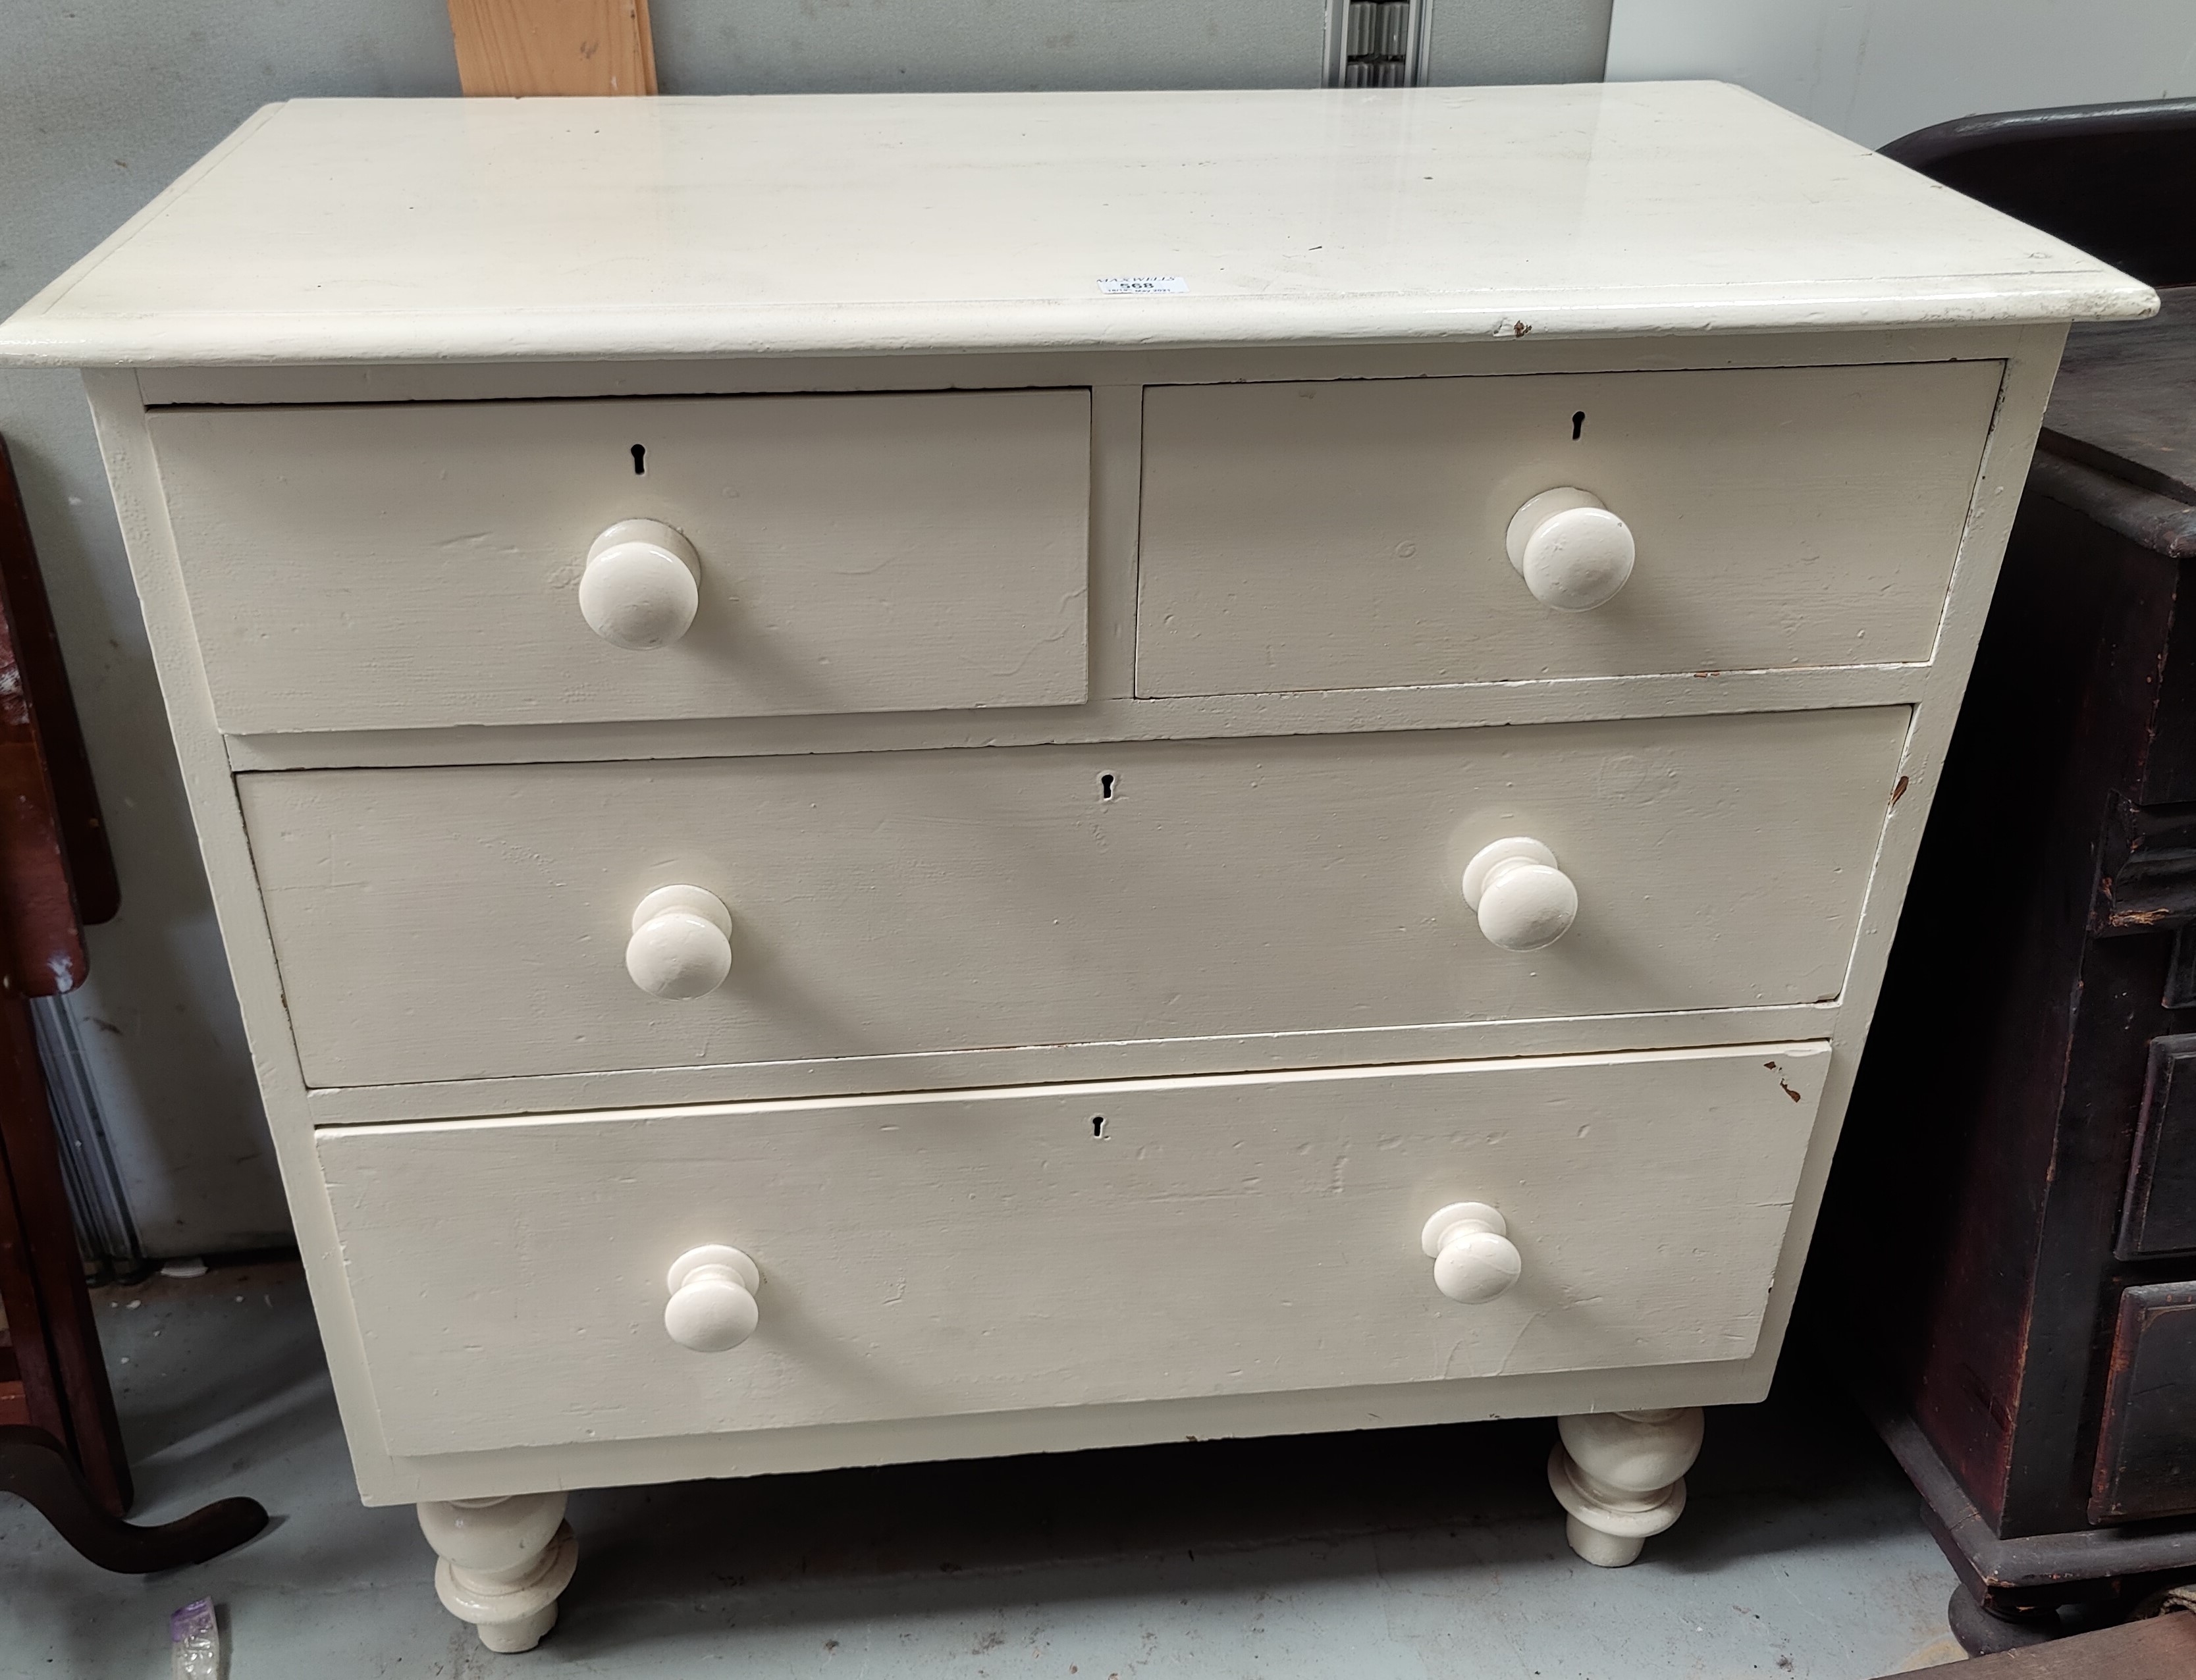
[(887, 903), (419, 564), (1355, 534), (1074, 1246)]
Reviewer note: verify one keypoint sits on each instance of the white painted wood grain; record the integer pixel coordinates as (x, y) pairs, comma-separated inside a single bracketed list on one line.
[(1349, 533), (1192, 717), (1031, 369), (1056, 1429), (889, 904), (1002, 1250), (416, 565), (126, 447), (431, 230), (1038, 1063)]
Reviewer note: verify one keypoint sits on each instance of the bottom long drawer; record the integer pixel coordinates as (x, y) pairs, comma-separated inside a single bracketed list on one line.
[(1064, 1245)]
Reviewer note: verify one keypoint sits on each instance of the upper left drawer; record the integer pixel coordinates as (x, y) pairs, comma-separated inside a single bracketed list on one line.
[(413, 565)]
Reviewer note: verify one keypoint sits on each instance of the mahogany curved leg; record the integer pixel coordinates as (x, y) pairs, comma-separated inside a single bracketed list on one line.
[(35, 1469)]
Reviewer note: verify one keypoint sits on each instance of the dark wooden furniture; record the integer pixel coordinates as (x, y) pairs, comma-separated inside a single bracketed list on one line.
[(2112, 179), (2008, 1257), (61, 1445)]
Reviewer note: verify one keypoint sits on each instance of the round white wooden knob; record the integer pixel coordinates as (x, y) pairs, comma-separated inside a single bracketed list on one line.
[(1523, 900), (682, 943), (1573, 552), (713, 1299), (1474, 1258), (642, 586)]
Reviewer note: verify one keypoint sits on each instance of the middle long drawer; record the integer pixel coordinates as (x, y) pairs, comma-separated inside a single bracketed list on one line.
[(893, 903)]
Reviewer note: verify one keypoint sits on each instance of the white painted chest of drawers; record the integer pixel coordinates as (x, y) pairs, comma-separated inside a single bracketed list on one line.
[(904, 778)]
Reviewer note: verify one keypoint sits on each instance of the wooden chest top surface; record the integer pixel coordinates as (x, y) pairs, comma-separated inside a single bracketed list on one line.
[(497, 229)]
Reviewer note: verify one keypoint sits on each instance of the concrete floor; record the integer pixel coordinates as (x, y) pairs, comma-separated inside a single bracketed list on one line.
[(1405, 1554)]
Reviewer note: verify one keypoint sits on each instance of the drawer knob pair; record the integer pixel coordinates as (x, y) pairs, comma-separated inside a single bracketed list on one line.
[(1523, 900), (1572, 551), (1474, 1258), (642, 586), (712, 1307), (682, 943), (682, 936)]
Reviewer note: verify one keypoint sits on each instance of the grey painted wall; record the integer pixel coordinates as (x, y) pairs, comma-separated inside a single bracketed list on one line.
[(103, 102), (1875, 69), (873, 46)]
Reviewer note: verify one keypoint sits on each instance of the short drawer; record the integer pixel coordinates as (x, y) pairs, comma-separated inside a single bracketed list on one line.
[(1350, 535), (2146, 1448), (2159, 1216), (419, 564), (1068, 1245), (905, 903)]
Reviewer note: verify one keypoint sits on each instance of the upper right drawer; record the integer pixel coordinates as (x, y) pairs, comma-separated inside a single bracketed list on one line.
[(1358, 533)]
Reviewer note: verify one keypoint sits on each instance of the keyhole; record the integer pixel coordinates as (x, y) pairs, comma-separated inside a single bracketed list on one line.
[(639, 460), (1097, 1125), (1105, 786), (1578, 424)]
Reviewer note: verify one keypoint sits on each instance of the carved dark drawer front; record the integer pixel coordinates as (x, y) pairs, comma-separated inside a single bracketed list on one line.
[(2160, 1217), (2147, 1456)]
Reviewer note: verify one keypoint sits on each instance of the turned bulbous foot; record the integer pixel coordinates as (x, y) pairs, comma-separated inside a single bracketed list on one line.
[(1982, 1632), (502, 1564), (1621, 1477)]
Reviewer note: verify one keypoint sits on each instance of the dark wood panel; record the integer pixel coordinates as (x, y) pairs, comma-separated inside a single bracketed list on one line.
[(2160, 1217), (2149, 865), (55, 872), (2069, 1334), (2169, 774), (2181, 978), (1988, 1213), (2147, 1453), (54, 864), (42, 683), (2030, 1574), (2111, 179), (2004, 1165), (2121, 403)]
